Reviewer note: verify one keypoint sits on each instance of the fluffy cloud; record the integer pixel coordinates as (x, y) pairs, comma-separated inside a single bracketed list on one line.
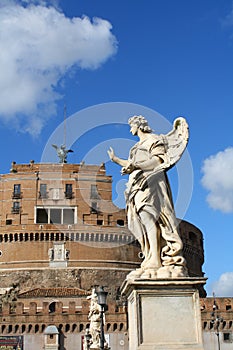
[(218, 180), (38, 46), (224, 286)]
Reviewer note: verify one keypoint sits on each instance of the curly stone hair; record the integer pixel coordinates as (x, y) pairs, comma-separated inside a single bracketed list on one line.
[(141, 122)]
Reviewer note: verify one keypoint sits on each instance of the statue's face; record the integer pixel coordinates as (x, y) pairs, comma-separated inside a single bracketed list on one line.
[(133, 129)]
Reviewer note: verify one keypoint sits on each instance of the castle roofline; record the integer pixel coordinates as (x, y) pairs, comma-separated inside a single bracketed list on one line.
[(51, 167)]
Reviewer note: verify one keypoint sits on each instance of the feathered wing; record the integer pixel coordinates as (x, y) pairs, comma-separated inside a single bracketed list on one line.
[(176, 141), (55, 146)]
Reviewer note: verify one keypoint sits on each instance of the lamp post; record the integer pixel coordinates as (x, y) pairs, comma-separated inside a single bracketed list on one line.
[(216, 320), (102, 297)]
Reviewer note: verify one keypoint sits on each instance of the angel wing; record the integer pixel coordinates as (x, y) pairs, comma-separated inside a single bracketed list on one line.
[(176, 141), (55, 146)]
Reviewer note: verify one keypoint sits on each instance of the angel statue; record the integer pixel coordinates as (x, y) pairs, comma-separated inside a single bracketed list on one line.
[(62, 153), (150, 210), (94, 318)]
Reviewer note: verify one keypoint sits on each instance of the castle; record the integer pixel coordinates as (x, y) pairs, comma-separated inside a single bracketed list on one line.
[(61, 235)]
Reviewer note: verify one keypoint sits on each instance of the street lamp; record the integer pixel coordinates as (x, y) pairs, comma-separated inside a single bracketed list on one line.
[(102, 297), (216, 320)]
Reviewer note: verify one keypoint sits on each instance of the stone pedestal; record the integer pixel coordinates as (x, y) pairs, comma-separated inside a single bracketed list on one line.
[(164, 314)]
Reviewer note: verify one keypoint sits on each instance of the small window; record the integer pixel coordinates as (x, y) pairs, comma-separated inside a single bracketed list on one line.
[(228, 307), (120, 222), (94, 209), (94, 192), (52, 307), (16, 207), (51, 336), (227, 337), (43, 191), (69, 191), (99, 222), (17, 191), (9, 222)]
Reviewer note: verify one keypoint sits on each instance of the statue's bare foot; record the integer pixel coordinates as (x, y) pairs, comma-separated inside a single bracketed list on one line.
[(135, 274), (149, 273), (179, 271), (164, 272)]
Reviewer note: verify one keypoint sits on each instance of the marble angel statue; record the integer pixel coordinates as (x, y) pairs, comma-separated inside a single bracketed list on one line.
[(150, 210)]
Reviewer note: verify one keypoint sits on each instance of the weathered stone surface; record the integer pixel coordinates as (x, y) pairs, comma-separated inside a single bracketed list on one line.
[(164, 314)]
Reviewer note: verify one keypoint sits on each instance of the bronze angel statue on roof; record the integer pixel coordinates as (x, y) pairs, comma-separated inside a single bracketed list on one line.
[(62, 153), (150, 210)]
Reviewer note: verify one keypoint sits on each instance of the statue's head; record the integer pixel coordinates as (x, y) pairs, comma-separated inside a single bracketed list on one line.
[(140, 122)]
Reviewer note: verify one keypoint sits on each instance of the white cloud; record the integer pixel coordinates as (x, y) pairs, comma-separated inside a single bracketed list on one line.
[(218, 180), (38, 46), (224, 286)]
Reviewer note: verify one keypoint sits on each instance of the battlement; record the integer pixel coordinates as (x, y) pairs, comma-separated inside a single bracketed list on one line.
[(68, 316)]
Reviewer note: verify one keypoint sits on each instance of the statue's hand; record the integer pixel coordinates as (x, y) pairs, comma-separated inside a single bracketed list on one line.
[(127, 169), (111, 154)]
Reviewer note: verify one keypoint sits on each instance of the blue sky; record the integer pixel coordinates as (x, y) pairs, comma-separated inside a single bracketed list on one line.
[(172, 57)]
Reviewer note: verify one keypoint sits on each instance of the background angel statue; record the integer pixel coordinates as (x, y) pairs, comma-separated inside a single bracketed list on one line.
[(62, 153), (94, 318), (150, 210)]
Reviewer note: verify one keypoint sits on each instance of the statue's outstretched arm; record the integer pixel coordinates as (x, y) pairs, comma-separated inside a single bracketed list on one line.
[(115, 159), (149, 164)]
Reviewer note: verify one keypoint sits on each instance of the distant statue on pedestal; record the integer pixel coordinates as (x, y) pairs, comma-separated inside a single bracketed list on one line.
[(150, 210), (62, 153), (94, 317)]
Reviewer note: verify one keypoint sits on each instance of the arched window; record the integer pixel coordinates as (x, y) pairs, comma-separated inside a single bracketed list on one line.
[(121, 326), (16, 328), (120, 222), (52, 307), (74, 327)]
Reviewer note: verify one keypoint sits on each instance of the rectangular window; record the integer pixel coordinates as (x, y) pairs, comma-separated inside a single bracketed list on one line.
[(94, 208), (68, 216), (17, 191), (227, 337), (43, 191), (16, 207), (55, 216), (69, 191), (94, 192), (42, 216)]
